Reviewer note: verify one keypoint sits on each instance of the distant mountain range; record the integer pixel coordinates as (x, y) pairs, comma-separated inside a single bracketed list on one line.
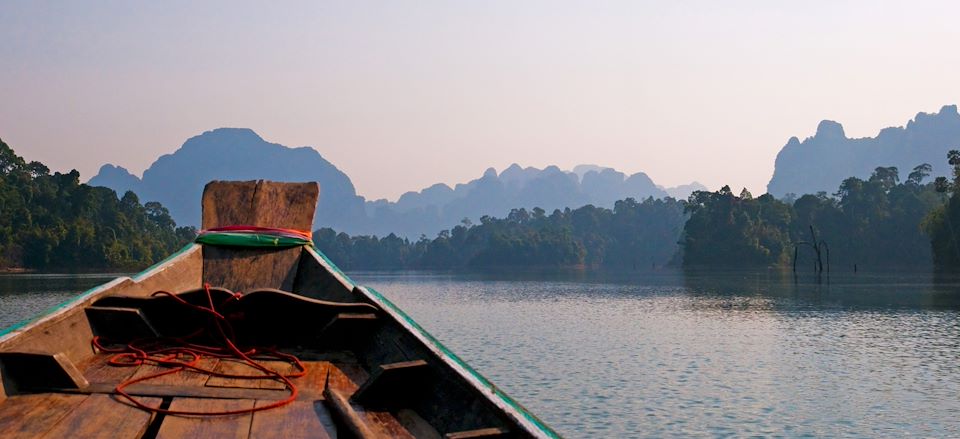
[(177, 180), (822, 162), (440, 206)]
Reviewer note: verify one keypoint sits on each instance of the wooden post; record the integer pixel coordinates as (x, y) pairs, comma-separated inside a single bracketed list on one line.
[(255, 203)]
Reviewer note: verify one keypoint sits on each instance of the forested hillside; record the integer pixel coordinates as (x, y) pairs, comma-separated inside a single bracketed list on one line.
[(52, 222), (631, 235), (869, 223)]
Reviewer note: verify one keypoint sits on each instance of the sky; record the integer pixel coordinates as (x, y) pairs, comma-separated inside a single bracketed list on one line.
[(402, 95)]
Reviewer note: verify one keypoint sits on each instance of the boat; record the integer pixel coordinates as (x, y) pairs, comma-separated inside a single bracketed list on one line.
[(248, 332)]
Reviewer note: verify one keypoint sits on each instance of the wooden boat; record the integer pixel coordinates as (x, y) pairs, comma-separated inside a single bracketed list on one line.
[(363, 368)]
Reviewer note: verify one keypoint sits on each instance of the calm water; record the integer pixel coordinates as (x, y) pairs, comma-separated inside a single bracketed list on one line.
[(667, 354)]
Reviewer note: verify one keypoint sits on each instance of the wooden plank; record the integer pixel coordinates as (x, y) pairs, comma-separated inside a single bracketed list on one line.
[(186, 377), (316, 378), (97, 370), (247, 269), (236, 367), (104, 416), (184, 273), (256, 203), (236, 426), (298, 420), (29, 416), (416, 425), (361, 422), (284, 368), (314, 280), (341, 384), (345, 377)]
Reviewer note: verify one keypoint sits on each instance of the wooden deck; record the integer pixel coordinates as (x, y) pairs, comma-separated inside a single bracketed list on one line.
[(97, 412)]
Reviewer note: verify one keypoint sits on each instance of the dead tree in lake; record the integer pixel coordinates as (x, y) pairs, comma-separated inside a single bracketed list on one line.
[(819, 248)]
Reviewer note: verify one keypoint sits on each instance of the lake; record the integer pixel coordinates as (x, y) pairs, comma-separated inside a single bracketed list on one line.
[(678, 354)]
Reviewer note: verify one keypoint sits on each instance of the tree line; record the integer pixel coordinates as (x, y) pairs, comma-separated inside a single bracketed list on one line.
[(53, 222), (634, 234), (873, 223)]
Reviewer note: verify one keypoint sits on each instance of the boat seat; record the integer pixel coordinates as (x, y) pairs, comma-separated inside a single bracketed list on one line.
[(27, 372), (261, 317), (393, 383)]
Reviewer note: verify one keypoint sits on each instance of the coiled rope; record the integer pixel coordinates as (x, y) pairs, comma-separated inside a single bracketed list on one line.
[(179, 354)]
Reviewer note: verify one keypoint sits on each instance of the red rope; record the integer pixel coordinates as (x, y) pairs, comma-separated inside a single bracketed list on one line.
[(161, 353), (303, 234)]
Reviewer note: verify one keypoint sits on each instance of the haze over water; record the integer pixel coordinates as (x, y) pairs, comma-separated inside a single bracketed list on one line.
[(673, 355)]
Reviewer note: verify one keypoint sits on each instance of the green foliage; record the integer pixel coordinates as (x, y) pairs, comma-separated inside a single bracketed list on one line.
[(943, 223), (52, 222), (874, 222), (724, 229), (633, 234)]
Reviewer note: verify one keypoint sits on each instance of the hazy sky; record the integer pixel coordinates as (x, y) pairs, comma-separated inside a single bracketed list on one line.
[(401, 95)]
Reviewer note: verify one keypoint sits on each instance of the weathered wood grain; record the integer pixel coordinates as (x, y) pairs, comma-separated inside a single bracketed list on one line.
[(259, 203), (284, 368), (256, 203), (186, 377), (236, 367), (346, 377), (298, 420), (364, 423), (247, 269), (97, 370), (314, 280), (316, 378), (416, 425), (184, 274), (104, 416), (237, 426), (29, 416)]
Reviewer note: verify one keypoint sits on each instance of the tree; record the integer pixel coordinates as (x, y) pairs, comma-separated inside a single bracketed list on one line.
[(919, 173), (51, 221)]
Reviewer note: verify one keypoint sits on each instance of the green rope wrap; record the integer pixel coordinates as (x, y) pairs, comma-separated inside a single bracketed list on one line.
[(232, 239)]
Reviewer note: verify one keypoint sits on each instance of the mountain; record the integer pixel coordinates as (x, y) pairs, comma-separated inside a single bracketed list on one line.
[(821, 162), (440, 207), (683, 191), (176, 180)]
